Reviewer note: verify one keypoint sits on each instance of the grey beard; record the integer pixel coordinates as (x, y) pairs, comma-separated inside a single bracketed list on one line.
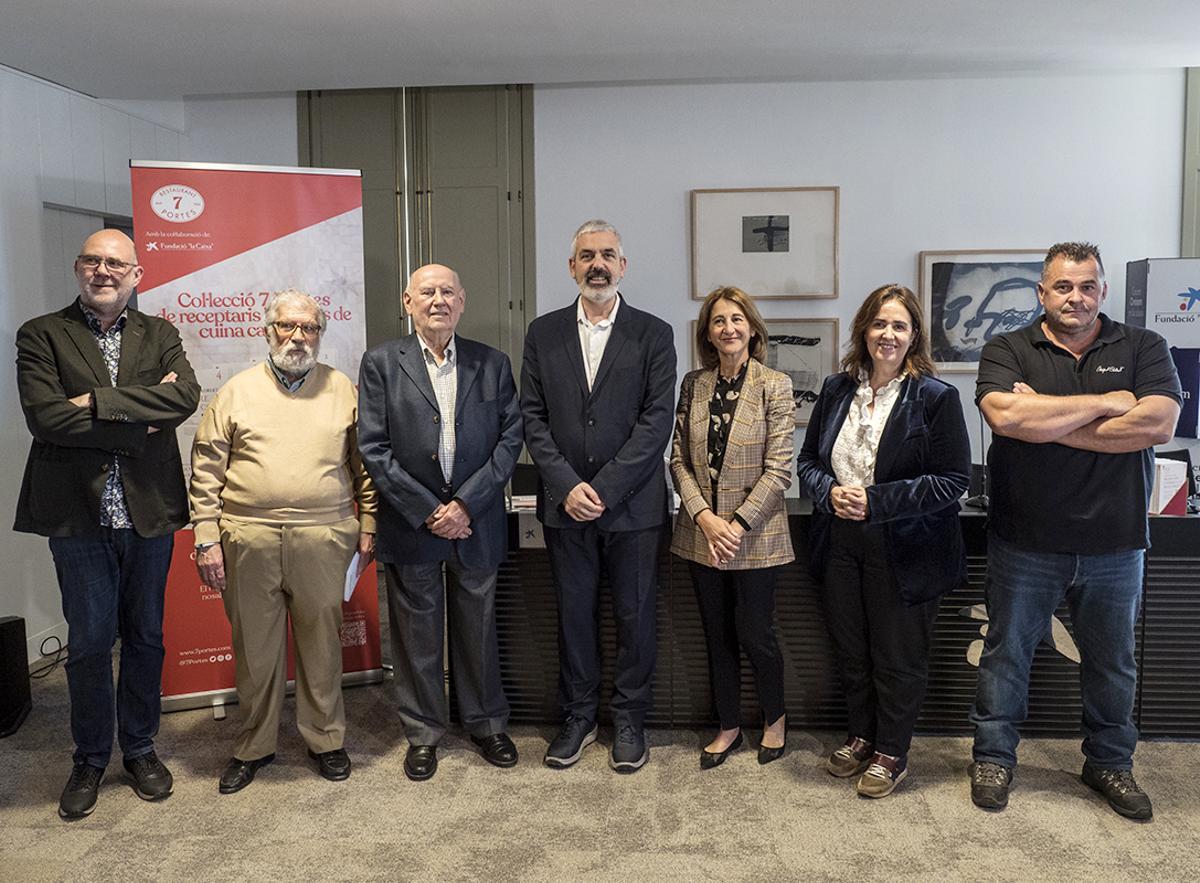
[(295, 361), (602, 296)]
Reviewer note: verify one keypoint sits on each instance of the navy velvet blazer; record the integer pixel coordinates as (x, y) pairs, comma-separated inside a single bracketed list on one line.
[(921, 469), (614, 436), (399, 426)]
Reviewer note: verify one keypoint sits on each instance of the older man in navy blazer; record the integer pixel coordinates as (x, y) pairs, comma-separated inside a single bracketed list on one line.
[(440, 431), (597, 395)]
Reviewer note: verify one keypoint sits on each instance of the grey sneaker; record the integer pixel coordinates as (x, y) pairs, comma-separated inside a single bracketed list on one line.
[(629, 751), (151, 779), (79, 796), (989, 785), (577, 733), (1120, 789), (851, 759)]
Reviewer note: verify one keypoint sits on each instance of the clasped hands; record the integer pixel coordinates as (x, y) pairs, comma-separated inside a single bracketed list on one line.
[(724, 537), (450, 521), (849, 502), (83, 399), (583, 503)]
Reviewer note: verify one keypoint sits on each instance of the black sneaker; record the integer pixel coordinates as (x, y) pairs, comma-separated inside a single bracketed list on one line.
[(989, 785), (577, 733), (79, 797), (151, 779), (629, 751), (1120, 789)]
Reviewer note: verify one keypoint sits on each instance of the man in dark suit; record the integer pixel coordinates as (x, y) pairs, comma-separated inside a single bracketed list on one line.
[(103, 388), (597, 395), (440, 430)]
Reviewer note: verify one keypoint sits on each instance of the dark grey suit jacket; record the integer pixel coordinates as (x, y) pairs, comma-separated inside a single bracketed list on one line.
[(57, 359), (613, 436), (399, 426)]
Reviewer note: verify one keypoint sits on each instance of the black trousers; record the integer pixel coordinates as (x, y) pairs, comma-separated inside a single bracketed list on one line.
[(577, 556), (737, 608), (882, 643)]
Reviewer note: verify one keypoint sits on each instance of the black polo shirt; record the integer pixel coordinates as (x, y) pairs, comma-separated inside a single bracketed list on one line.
[(1052, 498)]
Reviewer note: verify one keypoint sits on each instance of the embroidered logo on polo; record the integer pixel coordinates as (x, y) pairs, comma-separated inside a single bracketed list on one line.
[(1109, 369)]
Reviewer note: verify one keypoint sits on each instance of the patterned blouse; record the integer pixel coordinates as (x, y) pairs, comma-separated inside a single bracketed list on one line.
[(857, 444), (720, 413)]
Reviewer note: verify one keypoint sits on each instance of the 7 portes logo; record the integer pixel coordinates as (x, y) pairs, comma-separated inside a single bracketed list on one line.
[(177, 203)]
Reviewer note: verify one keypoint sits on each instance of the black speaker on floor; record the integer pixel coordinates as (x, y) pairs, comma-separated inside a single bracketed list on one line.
[(14, 675)]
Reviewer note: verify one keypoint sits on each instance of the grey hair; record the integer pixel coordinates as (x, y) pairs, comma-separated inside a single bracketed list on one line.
[(292, 296), (596, 225)]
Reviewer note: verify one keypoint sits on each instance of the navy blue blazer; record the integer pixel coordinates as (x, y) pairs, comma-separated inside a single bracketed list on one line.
[(399, 426), (614, 436), (921, 469)]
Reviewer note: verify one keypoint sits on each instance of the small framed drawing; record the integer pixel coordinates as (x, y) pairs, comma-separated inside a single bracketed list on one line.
[(972, 296), (807, 351), (772, 242)]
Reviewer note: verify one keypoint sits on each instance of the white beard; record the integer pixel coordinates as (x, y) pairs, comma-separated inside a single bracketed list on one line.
[(292, 359)]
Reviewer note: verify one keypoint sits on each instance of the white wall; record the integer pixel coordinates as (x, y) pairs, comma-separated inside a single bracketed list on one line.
[(922, 165), (66, 149), (256, 129)]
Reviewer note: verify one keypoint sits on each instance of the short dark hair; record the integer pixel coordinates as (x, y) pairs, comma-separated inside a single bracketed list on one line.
[(709, 357), (1075, 252), (917, 361)]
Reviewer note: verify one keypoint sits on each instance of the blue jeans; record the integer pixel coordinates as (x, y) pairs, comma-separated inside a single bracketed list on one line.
[(1104, 593), (113, 585)]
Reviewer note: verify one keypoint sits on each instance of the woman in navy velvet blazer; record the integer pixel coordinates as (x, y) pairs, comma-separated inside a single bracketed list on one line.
[(885, 460)]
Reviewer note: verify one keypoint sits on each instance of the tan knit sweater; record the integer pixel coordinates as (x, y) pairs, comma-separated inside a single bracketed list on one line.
[(268, 455)]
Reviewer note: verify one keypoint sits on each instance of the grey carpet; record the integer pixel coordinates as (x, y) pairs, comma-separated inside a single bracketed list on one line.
[(786, 821)]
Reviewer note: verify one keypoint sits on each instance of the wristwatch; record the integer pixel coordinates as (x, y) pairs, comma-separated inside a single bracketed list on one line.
[(201, 547)]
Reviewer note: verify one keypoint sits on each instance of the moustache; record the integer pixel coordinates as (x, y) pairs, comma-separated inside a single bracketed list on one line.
[(599, 274)]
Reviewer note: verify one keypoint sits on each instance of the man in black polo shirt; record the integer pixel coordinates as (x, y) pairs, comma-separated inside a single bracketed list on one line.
[(1076, 402)]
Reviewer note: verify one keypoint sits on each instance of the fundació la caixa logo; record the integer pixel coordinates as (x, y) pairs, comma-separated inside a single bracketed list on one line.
[(177, 203), (1189, 299)]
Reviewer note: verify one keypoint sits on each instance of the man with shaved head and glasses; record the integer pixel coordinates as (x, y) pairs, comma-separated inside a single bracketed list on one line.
[(280, 503), (103, 388)]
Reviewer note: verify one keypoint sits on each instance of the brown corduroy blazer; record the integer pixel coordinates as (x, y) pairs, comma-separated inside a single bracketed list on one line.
[(755, 473)]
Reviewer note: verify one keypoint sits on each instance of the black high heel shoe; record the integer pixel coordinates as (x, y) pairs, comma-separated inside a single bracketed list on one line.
[(708, 759)]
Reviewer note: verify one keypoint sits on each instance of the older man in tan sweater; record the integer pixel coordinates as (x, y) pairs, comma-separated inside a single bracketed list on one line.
[(280, 502)]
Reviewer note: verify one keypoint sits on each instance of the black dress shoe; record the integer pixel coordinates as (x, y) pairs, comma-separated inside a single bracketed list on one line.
[(333, 765), (766, 755), (497, 749), (240, 773), (709, 759), (420, 763)]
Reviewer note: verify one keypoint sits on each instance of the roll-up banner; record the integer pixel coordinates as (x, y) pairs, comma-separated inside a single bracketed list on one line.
[(215, 241)]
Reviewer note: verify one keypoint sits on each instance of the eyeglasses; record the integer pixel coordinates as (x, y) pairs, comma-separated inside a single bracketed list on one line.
[(115, 265), (287, 329)]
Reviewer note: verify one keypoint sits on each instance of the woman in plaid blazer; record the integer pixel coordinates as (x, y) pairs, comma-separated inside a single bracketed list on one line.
[(884, 460), (730, 461)]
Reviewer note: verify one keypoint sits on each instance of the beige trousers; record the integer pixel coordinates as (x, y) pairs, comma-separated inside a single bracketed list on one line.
[(273, 572)]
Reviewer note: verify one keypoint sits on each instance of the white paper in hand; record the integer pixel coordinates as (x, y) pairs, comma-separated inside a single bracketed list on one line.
[(352, 576)]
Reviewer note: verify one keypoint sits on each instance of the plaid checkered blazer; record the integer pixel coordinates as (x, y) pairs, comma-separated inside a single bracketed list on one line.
[(756, 471)]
